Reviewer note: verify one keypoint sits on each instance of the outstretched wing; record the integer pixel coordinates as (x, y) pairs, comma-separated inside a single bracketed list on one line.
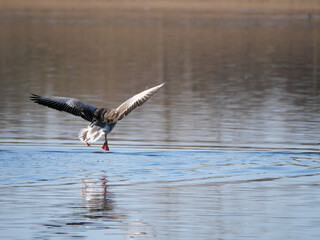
[(137, 100), (70, 105)]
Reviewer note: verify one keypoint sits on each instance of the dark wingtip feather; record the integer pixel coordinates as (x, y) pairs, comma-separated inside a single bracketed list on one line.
[(34, 97)]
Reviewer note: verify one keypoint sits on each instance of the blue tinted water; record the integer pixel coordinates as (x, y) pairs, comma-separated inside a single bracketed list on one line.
[(159, 194)]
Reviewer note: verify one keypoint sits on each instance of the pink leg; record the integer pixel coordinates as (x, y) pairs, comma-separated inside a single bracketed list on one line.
[(87, 144), (105, 145)]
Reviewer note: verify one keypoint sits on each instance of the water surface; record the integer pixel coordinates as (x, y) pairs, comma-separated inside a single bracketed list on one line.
[(229, 149), (159, 194)]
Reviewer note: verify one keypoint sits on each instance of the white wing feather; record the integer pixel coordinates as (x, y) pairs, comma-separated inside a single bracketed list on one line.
[(137, 100)]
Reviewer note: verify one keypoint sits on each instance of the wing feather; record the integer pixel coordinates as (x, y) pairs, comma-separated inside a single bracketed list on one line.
[(70, 105), (137, 100)]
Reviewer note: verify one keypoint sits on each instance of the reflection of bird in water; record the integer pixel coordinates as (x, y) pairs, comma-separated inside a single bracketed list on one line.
[(95, 195), (102, 120), (100, 203)]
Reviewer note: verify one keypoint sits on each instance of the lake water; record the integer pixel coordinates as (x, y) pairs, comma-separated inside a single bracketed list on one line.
[(229, 149)]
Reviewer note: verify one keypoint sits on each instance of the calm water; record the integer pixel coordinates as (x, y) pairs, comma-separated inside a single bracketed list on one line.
[(229, 149)]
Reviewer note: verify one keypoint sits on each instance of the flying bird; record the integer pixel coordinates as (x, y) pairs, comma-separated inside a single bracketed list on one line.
[(102, 120)]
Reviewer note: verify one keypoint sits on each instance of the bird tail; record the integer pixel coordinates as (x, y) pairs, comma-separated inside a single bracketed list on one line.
[(90, 134)]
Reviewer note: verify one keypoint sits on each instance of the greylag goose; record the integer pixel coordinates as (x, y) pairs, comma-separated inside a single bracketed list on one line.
[(102, 120)]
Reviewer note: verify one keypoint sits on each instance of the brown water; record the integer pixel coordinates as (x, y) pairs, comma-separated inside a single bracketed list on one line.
[(228, 149), (232, 82)]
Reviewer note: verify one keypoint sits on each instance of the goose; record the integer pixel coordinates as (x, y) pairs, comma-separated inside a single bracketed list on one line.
[(102, 120)]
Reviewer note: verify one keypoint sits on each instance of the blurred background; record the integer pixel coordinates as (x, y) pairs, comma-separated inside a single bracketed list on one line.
[(228, 149), (240, 74)]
